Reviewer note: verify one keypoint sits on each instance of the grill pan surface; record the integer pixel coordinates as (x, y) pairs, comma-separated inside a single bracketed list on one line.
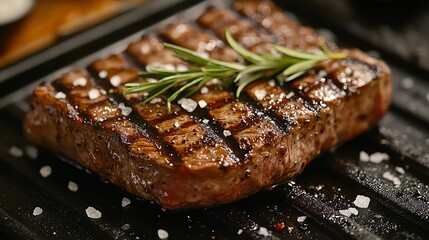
[(329, 184)]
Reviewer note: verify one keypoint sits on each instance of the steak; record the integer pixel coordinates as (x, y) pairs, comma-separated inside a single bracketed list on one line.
[(226, 150)]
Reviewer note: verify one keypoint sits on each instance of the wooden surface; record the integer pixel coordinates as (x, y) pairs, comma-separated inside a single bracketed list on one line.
[(52, 19)]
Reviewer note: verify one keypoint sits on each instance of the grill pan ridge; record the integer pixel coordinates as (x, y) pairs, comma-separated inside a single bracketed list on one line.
[(329, 184)]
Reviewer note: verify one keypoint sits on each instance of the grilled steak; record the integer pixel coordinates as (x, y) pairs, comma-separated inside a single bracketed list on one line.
[(222, 152)]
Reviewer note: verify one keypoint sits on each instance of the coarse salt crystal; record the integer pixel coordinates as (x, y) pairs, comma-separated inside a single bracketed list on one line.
[(162, 234), (60, 95), (45, 171), (156, 100), (301, 218), (226, 133), (400, 170), (389, 176), (345, 212), (16, 151), (188, 104), (80, 81), (378, 157), (240, 231), (271, 83), (214, 81), (102, 74), (93, 94), (176, 124), (37, 211), (260, 94), (263, 231), (361, 201), (169, 66), (125, 202), (93, 213), (353, 211), (363, 156), (125, 111), (145, 48), (31, 151), (182, 67), (115, 80), (289, 95), (72, 186), (126, 227), (322, 73), (203, 54), (202, 103), (204, 90), (205, 121)]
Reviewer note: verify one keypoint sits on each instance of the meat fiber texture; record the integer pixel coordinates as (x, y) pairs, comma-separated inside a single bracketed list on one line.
[(230, 147)]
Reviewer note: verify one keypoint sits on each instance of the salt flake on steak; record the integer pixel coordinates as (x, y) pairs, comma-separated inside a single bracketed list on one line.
[(260, 94), (188, 104), (60, 95), (80, 81), (93, 94)]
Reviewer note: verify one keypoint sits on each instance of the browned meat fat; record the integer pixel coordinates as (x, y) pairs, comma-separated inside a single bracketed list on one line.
[(227, 149)]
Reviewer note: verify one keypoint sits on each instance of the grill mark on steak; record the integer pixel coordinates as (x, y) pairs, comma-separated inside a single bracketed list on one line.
[(272, 18), (306, 118), (237, 116), (115, 66), (294, 35), (244, 31), (162, 122), (212, 126), (102, 112), (185, 139), (233, 22), (345, 77)]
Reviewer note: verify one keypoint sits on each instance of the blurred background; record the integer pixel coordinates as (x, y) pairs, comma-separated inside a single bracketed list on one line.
[(27, 26)]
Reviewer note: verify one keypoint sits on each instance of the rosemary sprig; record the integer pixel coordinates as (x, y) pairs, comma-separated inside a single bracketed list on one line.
[(287, 66)]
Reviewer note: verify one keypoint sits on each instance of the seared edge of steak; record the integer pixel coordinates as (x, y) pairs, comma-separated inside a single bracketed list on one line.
[(195, 164)]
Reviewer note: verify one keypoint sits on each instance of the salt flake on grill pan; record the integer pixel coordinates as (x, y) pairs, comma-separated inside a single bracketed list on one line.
[(37, 211), (125, 202), (162, 234), (93, 213), (378, 157), (361, 201), (16, 151)]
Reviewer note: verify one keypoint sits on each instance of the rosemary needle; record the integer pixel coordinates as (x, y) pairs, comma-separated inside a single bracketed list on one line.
[(287, 66)]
